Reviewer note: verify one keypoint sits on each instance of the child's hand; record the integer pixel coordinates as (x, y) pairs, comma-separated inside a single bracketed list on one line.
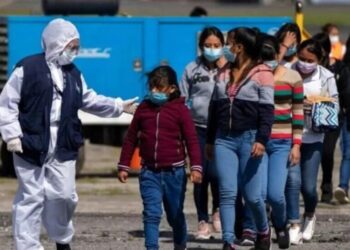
[(196, 177), (123, 176)]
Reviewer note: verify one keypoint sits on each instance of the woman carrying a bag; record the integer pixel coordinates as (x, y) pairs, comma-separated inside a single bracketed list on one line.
[(319, 86)]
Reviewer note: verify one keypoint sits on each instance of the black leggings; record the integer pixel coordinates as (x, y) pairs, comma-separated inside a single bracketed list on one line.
[(329, 144)]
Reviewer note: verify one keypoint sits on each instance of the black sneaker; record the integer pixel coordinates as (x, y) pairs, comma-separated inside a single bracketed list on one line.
[(228, 246), (327, 193), (263, 241), (283, 238), (179, 247), (63, 246)]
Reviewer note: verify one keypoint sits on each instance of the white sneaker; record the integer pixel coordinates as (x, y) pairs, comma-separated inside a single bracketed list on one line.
[(295, 235), (309, 228), (341, 196), (203, 232)]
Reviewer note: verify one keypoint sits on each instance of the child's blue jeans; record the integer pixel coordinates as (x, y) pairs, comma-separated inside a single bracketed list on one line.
[(167, 187)]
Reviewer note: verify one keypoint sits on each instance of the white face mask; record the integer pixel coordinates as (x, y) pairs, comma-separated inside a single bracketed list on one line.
[(334, 39), (306, 68), (67, 57)]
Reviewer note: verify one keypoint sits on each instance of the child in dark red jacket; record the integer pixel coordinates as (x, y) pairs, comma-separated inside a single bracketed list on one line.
[(163, 128)]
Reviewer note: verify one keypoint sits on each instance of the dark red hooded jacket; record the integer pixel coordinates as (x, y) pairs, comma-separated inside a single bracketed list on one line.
[(163, 134)]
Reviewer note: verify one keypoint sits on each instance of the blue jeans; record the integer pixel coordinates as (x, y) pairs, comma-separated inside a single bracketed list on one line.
[(167, 187), (344, 174), (234, 164), (309, 165), (278, 155), (292, 191), (274, 168), (200, 191)]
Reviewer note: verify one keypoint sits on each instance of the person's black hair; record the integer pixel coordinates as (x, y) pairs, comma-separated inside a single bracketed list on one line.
[(268, 47), (198, 11), (346, 58), (256, 29), (248, 38), (312, 46), (328, 26), (209, 31), (288, 27), (325, 42), (164, 76)]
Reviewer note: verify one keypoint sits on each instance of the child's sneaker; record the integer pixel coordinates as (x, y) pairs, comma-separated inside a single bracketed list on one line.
[(203, 232), (248, 238), (216, 222), (309, 227), (341, 195), (295, 235), (263, 241), (283, 238)]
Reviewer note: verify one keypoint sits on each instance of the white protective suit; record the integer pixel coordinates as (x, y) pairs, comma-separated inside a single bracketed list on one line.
[(47, 194)]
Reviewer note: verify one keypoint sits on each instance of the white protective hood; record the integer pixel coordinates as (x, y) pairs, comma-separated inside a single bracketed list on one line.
[(56, 35)]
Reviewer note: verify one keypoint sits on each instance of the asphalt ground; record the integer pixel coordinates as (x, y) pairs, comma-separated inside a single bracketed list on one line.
[(108, 215)]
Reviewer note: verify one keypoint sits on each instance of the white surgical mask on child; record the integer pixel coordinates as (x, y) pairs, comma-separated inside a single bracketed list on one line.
[(158, 98)]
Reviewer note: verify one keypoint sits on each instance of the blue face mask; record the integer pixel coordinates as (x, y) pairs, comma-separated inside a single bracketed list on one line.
[(272, 64), (231, 57), (158, 98), (212, 54), (291, 51)]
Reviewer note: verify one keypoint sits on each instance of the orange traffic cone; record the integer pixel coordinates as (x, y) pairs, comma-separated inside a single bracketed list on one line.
[(136, 159)]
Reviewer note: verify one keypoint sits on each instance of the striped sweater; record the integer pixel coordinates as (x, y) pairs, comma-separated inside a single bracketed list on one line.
[(289, 114)]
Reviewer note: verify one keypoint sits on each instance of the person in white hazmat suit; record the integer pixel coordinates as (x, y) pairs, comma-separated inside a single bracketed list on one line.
[(39, 123)]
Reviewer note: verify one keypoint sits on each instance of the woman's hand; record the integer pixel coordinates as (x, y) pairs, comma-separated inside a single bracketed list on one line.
[(289, 39), (294, 155), (257, 150), (307, 106)]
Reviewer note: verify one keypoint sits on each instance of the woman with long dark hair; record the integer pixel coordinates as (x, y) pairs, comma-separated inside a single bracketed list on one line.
[(239, 126)]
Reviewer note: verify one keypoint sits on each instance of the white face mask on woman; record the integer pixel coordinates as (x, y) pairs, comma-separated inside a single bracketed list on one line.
[(334, 38), (306, 68), (67, 57)]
